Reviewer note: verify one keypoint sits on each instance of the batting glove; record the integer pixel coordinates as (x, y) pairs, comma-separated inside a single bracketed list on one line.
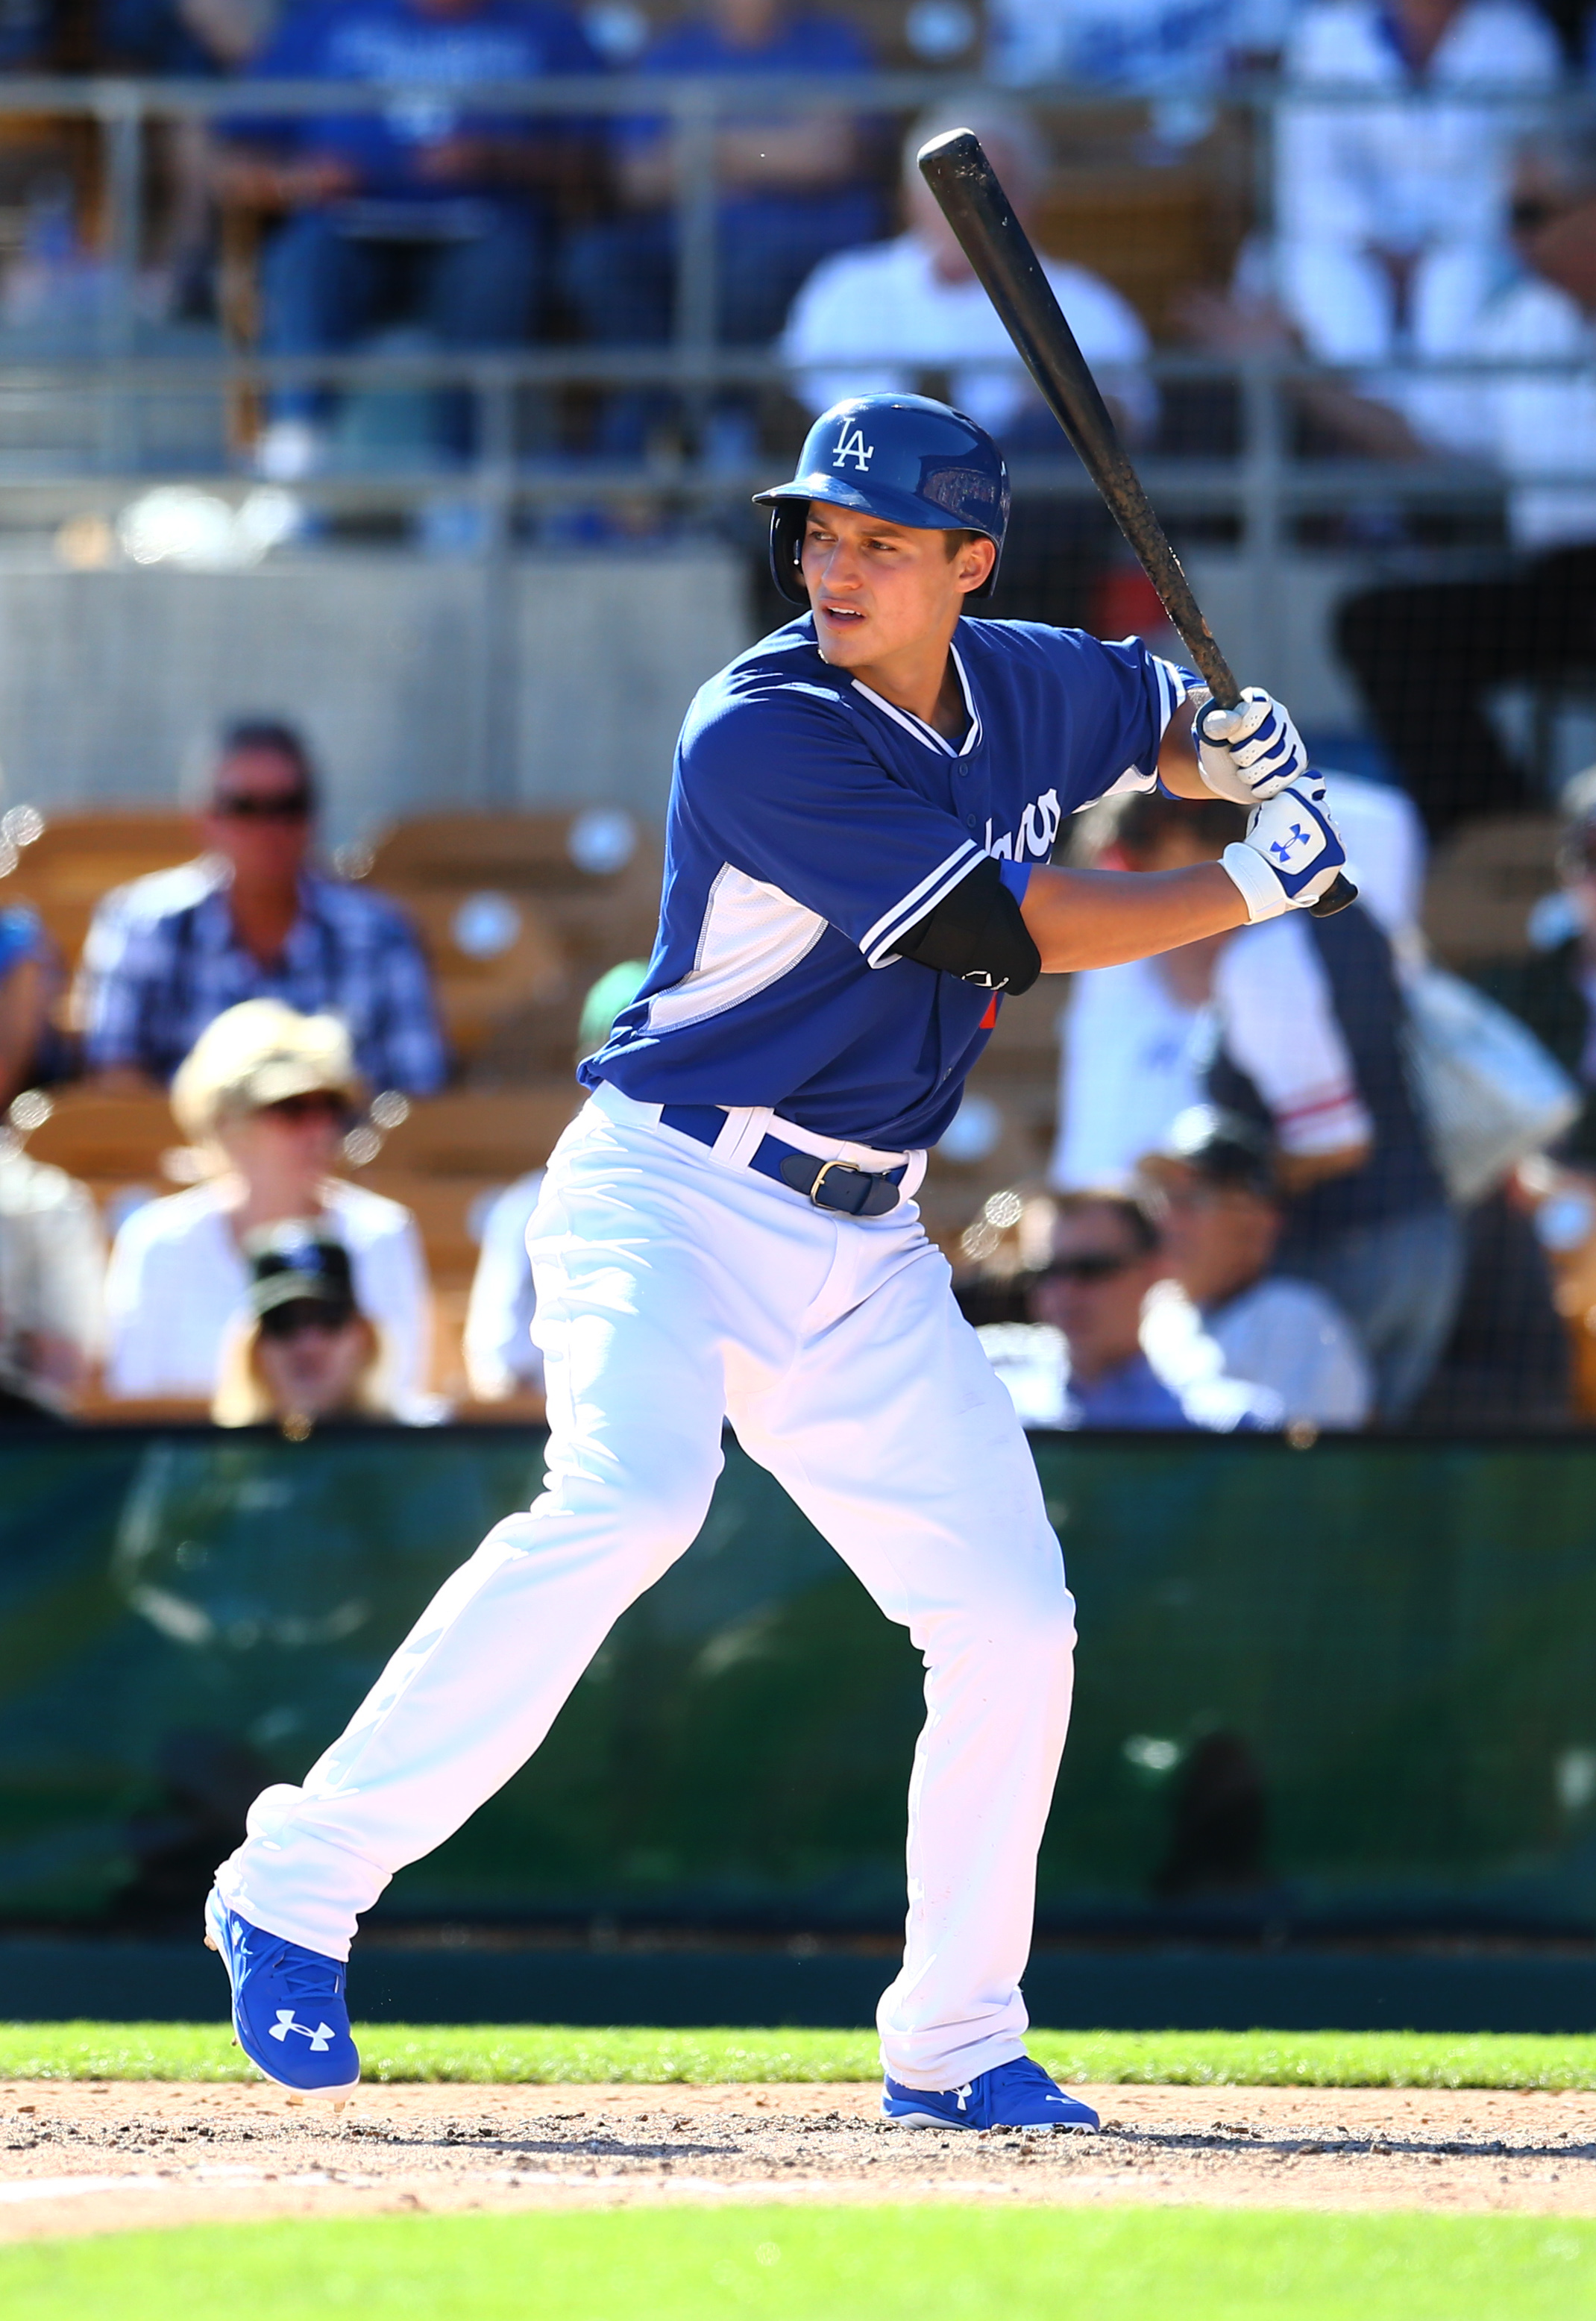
[(1250, 752), (1291, 854)]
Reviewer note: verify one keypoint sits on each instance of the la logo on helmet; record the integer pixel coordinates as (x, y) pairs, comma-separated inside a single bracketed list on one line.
[(852, 446)]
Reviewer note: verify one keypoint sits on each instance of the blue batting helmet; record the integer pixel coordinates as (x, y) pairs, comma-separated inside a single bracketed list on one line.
[(901, 457)]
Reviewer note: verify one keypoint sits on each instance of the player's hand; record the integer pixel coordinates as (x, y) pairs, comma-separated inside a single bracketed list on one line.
[(1292, 852), (1249, 754)]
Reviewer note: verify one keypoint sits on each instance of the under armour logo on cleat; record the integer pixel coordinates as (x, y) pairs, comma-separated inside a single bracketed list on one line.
[(968, 2089), (320, 2038), (852, 445)]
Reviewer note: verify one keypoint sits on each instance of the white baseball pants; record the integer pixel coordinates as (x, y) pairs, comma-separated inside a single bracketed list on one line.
[(676, 1288)]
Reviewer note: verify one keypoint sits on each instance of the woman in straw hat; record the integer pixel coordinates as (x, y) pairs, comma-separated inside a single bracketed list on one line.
[(266, 1094)]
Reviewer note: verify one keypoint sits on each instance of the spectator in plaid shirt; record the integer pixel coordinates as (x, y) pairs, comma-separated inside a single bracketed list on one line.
[(251, 919)]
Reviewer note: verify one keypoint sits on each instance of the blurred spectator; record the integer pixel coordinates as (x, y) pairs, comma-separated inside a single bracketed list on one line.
[(878, 320), (306, 1350), (1389, 217), (500, 1357), (794, 187), (418, 211), (1222, 1216), (1079, 1361), (1508, 1360), (1130, 1055), (1553, 990), (252, 919), (1176, 51), (266, 1094), (1428, 655), (1310, 1023), (28, 974), (190, 40), (52, 1267), (40, 36)]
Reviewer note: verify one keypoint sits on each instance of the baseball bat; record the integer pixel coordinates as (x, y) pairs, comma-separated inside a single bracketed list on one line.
[(993, 240)]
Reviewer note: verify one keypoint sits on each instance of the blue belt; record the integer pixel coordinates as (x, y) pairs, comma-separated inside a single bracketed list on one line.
[(829, 1184)]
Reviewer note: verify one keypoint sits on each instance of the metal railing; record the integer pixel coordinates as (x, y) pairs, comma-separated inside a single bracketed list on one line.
[(1262, 490)]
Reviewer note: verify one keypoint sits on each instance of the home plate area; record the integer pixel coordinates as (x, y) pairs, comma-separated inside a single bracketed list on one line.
[(93, 2157)]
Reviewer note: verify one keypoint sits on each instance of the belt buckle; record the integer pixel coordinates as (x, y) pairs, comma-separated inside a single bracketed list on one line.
[(824, 1170)]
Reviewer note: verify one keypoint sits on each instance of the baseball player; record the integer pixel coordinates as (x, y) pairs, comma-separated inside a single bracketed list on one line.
[(855, 876)]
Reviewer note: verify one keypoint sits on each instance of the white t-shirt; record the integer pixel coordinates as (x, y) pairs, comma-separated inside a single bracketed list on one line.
[(499, 1354), (1420, 176), (1526, 426), (1127, 1064), (52, 1266), (1147, 46), (1277, 1015), (1405, 174), (177, 1280), (867, 321), (1284, 1335)]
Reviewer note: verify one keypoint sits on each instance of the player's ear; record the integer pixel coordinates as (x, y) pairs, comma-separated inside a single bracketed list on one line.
[(975, 563)]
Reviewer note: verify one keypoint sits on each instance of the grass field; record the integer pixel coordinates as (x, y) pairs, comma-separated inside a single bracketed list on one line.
[(551, 2054), (793, 2264)]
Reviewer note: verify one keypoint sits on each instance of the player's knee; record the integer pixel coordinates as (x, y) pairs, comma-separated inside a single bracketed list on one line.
[(1038, 1618), (652, 1507)]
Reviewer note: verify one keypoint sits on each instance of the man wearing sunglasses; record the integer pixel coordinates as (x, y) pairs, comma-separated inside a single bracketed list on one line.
[(1079, 1361), (252, 918)]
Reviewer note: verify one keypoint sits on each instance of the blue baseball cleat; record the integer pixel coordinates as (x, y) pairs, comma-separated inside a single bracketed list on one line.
[(1011, 2094), (288, 2010)]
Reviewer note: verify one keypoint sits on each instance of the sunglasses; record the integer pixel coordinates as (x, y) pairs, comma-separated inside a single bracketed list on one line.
[(317, 1104), (299, 1314), (294, 805), (1099, 1265), (1531, 212)]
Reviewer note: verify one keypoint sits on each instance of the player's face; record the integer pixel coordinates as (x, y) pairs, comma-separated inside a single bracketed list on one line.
[(880, 591)]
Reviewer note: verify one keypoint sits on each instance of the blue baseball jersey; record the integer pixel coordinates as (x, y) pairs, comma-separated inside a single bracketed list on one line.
[(812, 824)]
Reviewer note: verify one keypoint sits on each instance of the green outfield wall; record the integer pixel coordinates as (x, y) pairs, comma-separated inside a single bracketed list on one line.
[(1352, 1687)]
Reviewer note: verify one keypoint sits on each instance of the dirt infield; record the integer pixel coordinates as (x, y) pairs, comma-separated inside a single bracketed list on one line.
[(78, 2157)]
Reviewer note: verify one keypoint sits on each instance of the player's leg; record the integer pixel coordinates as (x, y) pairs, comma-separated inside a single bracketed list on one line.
[(628, 1256), (896, 1438)]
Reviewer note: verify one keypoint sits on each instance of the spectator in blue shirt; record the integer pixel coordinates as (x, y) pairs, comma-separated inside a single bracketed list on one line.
[(423, 211), (1078, 1361), (251, 919), (793, 188)]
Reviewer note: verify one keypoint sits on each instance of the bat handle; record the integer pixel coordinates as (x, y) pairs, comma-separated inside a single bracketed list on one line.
[(1336, 898)]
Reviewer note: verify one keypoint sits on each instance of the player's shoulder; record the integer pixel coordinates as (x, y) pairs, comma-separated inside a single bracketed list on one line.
[(170, 1225), (366, 1219), (356, 910), (780, 683), (1073, 655), (161, 893)]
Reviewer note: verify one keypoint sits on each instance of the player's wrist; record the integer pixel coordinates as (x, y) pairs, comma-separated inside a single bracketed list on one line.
[(1260, 890)]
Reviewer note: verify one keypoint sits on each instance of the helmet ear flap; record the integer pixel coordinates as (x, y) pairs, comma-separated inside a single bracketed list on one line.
[(788, 519)]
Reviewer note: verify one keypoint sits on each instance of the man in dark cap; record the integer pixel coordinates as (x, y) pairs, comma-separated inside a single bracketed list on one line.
[(1222, 1218)]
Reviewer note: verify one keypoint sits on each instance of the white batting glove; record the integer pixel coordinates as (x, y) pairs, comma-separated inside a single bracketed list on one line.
[(1291, 854), (1249, 754)]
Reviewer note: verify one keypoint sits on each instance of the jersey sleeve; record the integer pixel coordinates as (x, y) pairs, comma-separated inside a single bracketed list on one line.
[(784, 790), (1120, 697)]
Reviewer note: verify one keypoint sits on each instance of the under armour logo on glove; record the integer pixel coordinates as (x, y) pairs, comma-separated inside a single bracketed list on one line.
[(1291, 854), (320, 2038)]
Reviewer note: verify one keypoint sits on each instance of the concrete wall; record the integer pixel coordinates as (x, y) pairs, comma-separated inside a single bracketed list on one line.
[(422, 684)]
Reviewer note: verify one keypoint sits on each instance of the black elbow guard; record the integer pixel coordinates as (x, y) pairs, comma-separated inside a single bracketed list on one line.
[(977, 933)]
